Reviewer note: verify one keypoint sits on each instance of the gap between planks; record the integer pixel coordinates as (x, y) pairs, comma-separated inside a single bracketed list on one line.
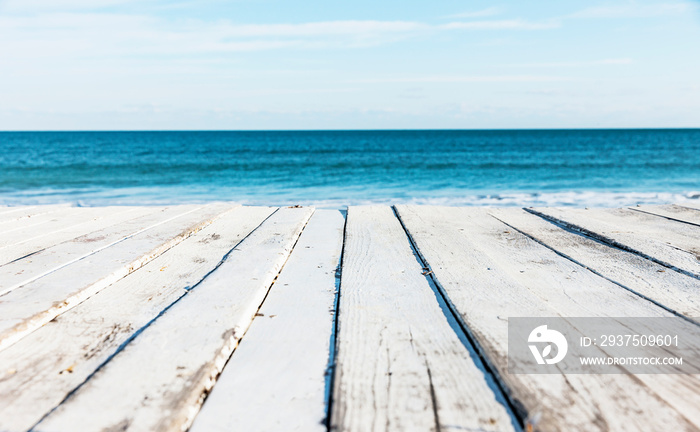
[(48, 260), (490, 272), (276, 377), (671, 290), (174, 362), (51, 362), (400, 364), (669, 243), (22, 244), (25, 309), (672, 212)]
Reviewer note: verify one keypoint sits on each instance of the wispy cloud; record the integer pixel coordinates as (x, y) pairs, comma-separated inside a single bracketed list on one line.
[(110, 33), (328, 28), (514, 24), (634, 10), (464, 79), (573, 64), (477, 14), (45, 6)]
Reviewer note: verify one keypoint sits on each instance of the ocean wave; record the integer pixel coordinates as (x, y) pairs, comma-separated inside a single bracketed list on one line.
[(553, 199), (512, 199)]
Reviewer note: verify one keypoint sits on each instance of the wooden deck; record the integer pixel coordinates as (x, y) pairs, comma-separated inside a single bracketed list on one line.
[(229, 318)]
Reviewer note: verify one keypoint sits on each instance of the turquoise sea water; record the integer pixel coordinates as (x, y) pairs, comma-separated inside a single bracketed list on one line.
[(334, 168)]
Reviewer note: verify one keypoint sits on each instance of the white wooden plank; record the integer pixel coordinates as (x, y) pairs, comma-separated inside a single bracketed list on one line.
[(49, 220), (680, 235), (57, 222), (25, 309), (39, 371), (670, 243), (677, 234), (5, 210), (400, 364), (21, 272), (674, 212), (36, 223), (491, 272), (673, 290), (158, 381), (12, 214), (690, 205), (20, 244), (276, 378)]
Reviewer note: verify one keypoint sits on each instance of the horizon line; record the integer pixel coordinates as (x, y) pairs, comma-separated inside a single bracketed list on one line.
[(356, 130)]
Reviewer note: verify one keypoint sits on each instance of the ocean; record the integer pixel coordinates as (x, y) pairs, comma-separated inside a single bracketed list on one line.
[(338, 168)]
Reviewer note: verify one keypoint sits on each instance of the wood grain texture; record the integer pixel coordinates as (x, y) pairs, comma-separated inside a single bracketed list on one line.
[(491, 272), (673, 244), (675, 291), (9, 214), (12, 230), (25, 309), (23, 230), (46, 261), (276, 378), (158, 381), (48, 221), (673, 212), (55, 359), (22, 244), (26, 215), (400, 364)]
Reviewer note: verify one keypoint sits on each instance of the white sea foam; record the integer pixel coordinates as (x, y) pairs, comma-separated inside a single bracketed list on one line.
[(514, 199), (553, 199)]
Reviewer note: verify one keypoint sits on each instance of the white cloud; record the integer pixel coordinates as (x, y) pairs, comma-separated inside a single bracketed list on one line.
[(109, 34), (329, 28), (614, 61), (635, 10), (477, 14), (465, 79), (19, 6), (619, 61), (516, 24)]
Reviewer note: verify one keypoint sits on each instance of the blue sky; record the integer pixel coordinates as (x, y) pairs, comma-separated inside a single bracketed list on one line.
[(246, 64)]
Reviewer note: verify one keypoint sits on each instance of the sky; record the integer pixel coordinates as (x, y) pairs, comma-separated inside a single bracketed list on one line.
[(273, 64)]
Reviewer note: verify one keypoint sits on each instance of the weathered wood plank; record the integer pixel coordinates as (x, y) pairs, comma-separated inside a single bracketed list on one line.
[(276, 378), (15, 212), (491, 272), (28, 307), (18, 232), (30, 225), (400, 363), (26, 213), (39, 371), (670, 243), (673, 290), (8, 210), (158, 381), (690, 205), (21, 244), (21, 272), (674, 212)]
